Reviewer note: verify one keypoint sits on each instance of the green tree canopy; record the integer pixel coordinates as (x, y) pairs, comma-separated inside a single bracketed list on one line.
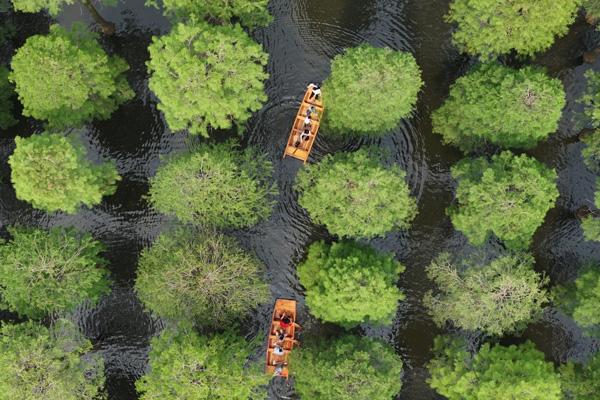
[(495, 372), (591, 228), (591, 98), (508, 196), (581, 381), (494, 27), (6, 100), (499, 105), (497, 297), (354, 195), (581, 300), (215, 185), (348, 283), (346, 368), (184, 365), (37, 363), (50, 272), (201, 277), (78, 80), (207, 75), (53, 6), (592, 9), (52, 173), (250, 13), (591, 151), (370, 90)]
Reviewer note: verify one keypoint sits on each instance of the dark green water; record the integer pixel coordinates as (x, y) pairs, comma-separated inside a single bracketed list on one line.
[(303, 38)]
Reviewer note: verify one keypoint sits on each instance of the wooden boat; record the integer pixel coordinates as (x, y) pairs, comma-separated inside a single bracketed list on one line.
[(296, 147), (275, 361)]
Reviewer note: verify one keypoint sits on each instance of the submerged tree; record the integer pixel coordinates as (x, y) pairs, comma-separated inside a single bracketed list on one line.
[(497, 297), (592, 10), (54, 7), (494, 372), (207, 76), (52, 173), (50, 272), (581, 381), (500, 105), (591, 97), (370, 90), (202, 277), (6, 100), (581, 300), (346, 368), (216, 185), (354, 195), (508, 196), (78, 80), (591, 151), (184, 365), (493, 27), (51, 364), (250, 13), (348, 283)]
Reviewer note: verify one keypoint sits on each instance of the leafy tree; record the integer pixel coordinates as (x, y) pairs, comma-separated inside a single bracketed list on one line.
[(493, 27), (6, 100), (592, 9), (346, 368), (508, 196), (497, 297), (51, 364), (581, 381), (184, 365), (494, 372), (348, 283), (49, 272), (215, 185), (79, 80), (581, 300), (354, 195), (54, 7), (591, 96), (250, 13), (370, 90), (499, 105), (591, 228), (52, 173), (591, 151), (201, 277), (207, 76)]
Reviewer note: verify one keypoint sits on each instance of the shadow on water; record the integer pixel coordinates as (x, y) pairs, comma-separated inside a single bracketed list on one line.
[(302, 40)]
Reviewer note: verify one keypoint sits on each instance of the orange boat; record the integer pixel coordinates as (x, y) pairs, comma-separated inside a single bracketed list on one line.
[(296, 147), (277, 364)]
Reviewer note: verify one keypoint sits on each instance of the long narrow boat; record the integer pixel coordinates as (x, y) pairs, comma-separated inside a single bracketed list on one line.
[(296, 147), (277, 364)]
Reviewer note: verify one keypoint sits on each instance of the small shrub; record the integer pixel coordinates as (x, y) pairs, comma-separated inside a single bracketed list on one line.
[(348, 283), (346, 368), (203, 277), (581, 300), (370, 90), (354, 195)]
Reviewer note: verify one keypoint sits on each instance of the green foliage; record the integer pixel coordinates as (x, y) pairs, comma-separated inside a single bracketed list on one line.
[(354, 195), (79, 80), (495, 372), (50, 272), (508, 196), (250, 13), (207, 76), (493, 27), (581, 300), (591, 228), (6, 100), (581, 381), (591, 151), (346, 368), (497, 297), (592, 8), (215, 185), (53, 6), (52, 173), (370, 90), (348, 283), (201, 277), (591, 96), (37, 363), (184, 365), (500, 105)]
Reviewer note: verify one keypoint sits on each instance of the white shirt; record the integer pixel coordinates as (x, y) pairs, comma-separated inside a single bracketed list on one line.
[(278, 351), (317, 92), (307, 121)]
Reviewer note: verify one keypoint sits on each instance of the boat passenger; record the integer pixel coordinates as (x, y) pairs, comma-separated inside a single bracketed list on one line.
[(278, 351), (280, 333), (305, 135), (316, 92), (307, 121), (310, 110)]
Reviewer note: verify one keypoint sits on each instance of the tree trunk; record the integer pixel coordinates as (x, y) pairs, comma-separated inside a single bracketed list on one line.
[(108, 28)]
